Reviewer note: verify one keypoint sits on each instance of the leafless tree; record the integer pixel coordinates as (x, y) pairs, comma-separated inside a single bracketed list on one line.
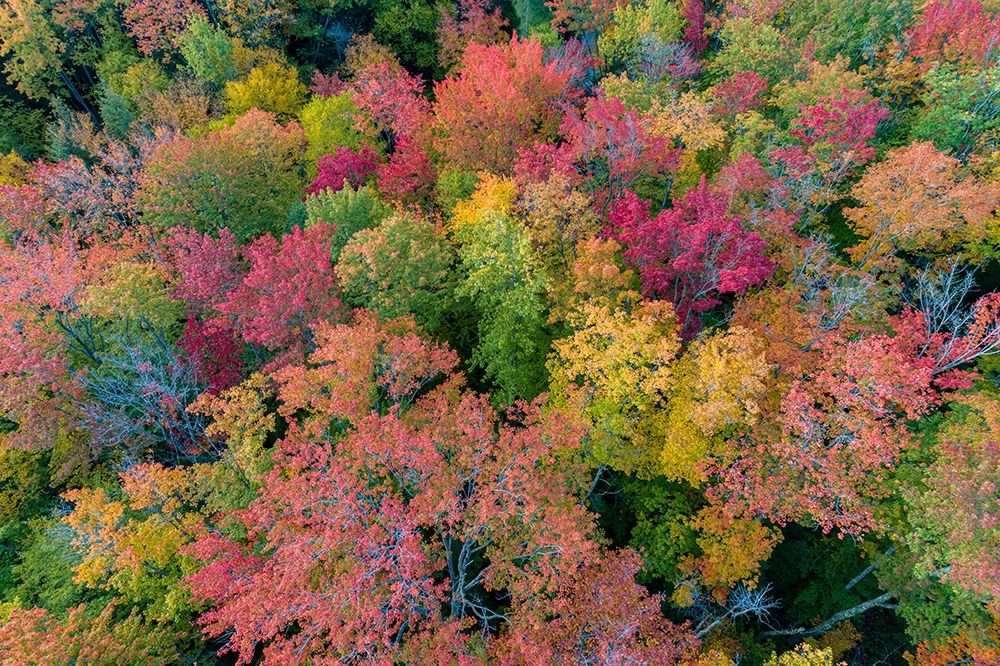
[(137, 398), (943, 295), (742, 601)]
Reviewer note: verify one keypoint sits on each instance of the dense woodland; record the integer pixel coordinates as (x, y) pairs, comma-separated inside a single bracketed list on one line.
[(593, 332)]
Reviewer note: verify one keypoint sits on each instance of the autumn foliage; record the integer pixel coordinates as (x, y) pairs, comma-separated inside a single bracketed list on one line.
[(604, 332)]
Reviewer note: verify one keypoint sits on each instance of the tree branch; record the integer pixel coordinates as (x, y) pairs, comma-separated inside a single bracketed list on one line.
[(834, 620)]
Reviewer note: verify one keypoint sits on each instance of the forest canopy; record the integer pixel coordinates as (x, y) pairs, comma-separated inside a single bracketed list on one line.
[(593, 332)]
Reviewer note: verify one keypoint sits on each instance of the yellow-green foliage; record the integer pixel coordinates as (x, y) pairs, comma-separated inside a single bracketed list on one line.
[(620, 43), (131, 542), (241, 419), (273, 87), (493, 195), (802, 655), (140, 79), (329, 123), (504, 281), (719, 383), (615, 367), (23, 476), (402, 266), (824, 80), (13, 169), (132, 292)]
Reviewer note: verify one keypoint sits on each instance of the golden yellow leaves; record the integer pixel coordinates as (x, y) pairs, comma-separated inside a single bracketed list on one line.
[(688, 119), (494, 194), (241, 418), (273, 87), (720, 382), (620, 353), (618, 366)]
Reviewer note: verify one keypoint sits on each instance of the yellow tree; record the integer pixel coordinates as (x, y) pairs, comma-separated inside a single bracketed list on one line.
[(557, 217), (274, 88), (493, 195), (242, 420), (617, 368), (131, 543), (720, 383), (720, 390), (31, 51)]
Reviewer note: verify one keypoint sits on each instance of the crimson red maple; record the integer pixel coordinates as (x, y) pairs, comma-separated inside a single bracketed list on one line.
[(290, 287), (344, 166), (692, 253)]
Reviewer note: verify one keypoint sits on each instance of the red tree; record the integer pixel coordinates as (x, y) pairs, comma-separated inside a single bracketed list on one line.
[(41, 281), (614, 147), (290, 287), (833, 137), (215, 352), (408, 175), (391, 98), (846, 123), (343, 166), (694, 31), (502, 98), (956, 30), (601, 617), (206, 268), (419, 533), (739, 93), (842, 424), (841, 428), (157, 25), (473, 21), (325, 85), (691, 253)]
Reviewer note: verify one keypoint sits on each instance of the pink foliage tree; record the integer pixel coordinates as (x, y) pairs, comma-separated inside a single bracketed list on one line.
[(614, 147), (843, 423), (692, 253), (846, 123), (602, 617), (408, 175), (206, 268), (391, 99), (431, 531), (156, 25), (325, 85), (842, 429), (290, 287), (955, 30), (739, 93), (343, 166), (473, 21), (833, 142), (694, 32), (500, 99)]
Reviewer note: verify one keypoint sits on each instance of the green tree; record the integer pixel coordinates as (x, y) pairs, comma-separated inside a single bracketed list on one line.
[(748, 46), (502, 277), (349, 210), (208, 52), (402, 266), (244, 178), (409, 28), (329, 123)]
